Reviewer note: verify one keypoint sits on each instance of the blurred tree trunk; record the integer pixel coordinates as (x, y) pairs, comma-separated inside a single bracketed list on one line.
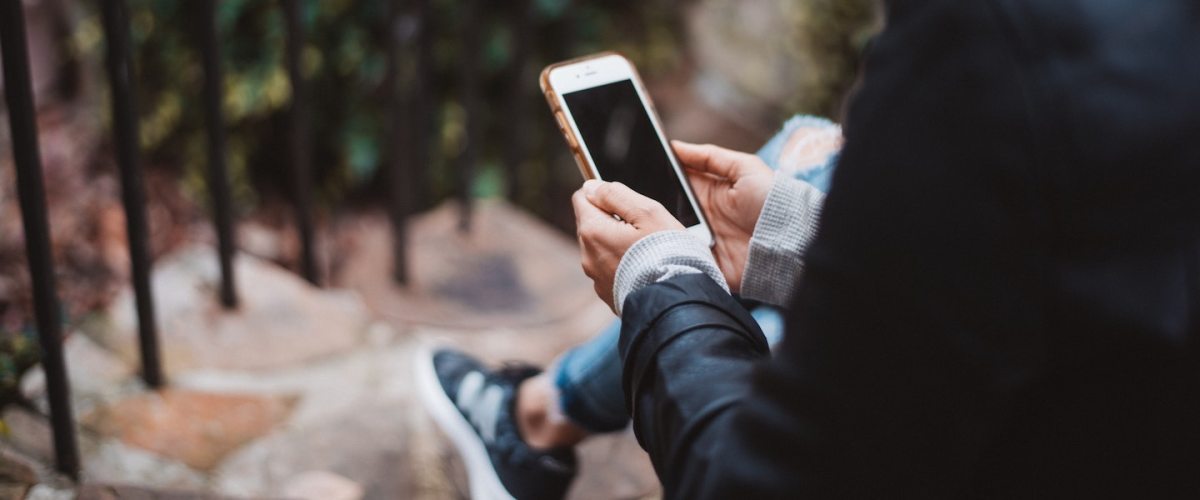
[(515, 124), (469, 82)]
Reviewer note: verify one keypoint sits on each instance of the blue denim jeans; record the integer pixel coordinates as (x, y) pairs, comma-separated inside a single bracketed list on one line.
[(588, 376)]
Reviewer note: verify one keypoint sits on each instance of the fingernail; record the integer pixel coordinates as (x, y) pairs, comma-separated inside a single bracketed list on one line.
[(589, 186)]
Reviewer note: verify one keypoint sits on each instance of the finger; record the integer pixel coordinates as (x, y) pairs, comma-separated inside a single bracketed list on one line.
[(617, 198), (712, 159), (584, 209)]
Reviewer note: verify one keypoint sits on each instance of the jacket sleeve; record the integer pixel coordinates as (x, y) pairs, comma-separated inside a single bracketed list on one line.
[(708, 344), (917, 322)]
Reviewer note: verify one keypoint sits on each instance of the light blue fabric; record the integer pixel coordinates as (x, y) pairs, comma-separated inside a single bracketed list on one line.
[(771, 152), (588, 376)]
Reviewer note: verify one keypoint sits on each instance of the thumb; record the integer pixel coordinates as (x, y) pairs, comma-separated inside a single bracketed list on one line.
[(617, 198), (712, 159)]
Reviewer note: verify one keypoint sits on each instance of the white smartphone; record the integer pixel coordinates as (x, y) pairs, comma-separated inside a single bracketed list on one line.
[(604, 112)]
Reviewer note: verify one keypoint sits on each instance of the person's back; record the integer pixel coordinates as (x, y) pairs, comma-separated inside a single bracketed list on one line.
[(1116, 118), (1004, 296)]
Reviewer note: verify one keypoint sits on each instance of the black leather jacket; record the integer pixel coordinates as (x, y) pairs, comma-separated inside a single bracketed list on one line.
[(1003, 299)]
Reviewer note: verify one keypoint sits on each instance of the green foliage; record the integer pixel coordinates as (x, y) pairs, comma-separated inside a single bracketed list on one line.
[(345, 60), (18, 353)]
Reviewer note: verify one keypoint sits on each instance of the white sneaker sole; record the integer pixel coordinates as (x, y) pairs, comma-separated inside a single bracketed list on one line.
[(481, 476)]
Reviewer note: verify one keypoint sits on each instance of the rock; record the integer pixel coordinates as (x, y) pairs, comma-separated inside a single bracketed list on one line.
[(110, 461), (112, 240), (511, 270), (96, 375), (281, 319), (46, 51), (380, 334), (34, 471), (15, 469), (29, 433), (129, 492), (46, 492), (102, 459), (367, 446), (352, 420), (17, 475), (322, 485), (260, 241), (324, 391), (10, 491), (196, 428), (301, 393)]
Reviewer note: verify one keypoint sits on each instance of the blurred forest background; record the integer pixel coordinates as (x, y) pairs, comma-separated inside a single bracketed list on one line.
[(722, 71)]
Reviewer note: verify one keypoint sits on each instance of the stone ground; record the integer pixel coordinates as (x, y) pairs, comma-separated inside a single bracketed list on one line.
[(307, 393)]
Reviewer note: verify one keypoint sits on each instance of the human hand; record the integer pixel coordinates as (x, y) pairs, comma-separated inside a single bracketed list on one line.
[(732, 188), (604, 239)]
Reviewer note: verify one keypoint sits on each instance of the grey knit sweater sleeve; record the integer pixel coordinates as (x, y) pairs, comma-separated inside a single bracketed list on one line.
[(784, 230), (660, 256)]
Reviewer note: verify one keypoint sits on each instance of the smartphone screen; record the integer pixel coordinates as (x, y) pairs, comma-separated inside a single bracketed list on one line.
[(625, 147)]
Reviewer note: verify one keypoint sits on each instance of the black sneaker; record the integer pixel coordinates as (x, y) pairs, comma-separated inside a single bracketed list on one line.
[(474, 406)]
